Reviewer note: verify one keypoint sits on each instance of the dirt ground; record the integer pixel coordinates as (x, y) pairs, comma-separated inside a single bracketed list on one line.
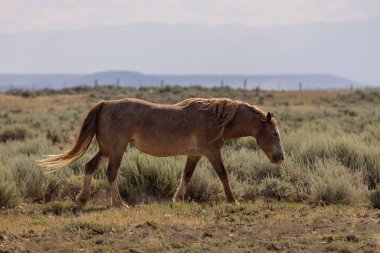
[(190, 227)]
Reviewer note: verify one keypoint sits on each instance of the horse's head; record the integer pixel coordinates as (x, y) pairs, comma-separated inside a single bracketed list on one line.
[(268, 139)]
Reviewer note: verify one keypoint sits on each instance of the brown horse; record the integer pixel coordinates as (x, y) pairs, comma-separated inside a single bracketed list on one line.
[(195, 127)]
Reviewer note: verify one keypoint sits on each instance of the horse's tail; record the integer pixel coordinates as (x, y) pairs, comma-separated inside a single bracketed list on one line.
[(87, 131)]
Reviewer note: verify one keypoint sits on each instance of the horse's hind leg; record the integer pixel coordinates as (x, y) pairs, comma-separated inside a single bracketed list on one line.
[(112, 171), (191, 163), (90, 170)]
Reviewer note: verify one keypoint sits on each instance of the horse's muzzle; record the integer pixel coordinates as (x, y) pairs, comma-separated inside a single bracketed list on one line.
[(278, 158)]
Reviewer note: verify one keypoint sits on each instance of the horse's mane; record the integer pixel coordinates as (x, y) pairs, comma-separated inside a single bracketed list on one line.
[(222, 109)]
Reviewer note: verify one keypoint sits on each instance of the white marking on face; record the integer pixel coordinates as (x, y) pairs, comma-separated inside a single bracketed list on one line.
[(279, 146)]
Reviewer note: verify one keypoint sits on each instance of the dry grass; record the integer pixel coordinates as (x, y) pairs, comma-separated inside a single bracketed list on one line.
[(315, 126), (326, 186), (40, 103), (194, 227)]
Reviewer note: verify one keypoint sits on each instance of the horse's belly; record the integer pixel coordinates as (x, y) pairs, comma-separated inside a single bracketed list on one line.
[(166, 147)]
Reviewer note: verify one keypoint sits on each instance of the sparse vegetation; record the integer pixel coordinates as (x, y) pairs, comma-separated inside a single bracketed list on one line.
[(332, 151), (190, 227), (332, 158), (332, 183), (14, 132), (274, 188), (375, 198)]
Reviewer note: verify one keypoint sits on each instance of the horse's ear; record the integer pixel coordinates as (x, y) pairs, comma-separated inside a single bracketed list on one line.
[(269, 117)]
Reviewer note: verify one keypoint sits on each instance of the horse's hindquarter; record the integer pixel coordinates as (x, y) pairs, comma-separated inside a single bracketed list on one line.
[(159, 130)]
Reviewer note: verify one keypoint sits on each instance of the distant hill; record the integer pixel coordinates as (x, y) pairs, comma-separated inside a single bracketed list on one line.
[(136, 79)]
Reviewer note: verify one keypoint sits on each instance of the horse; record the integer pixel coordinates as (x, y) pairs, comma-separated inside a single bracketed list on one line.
[(195, 127)]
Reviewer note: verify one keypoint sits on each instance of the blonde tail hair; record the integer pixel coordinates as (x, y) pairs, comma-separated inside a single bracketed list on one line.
[(87, 131)]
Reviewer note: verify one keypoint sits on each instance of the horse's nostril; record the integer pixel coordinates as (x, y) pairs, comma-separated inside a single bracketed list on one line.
[(278, 158)]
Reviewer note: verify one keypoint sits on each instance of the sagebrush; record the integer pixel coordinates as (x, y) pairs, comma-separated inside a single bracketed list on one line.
[(330, 139)]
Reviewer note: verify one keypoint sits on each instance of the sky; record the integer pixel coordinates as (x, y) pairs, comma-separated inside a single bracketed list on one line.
[(49, 15), (24, 49)]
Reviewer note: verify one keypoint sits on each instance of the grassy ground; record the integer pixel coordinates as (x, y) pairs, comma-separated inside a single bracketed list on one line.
[(191, 227), (323, 197)]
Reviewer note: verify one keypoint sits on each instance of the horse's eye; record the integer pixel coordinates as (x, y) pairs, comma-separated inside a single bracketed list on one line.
[(275, 134)]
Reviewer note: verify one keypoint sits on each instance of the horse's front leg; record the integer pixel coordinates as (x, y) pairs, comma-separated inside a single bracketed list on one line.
[(215, 159), (191, 163)]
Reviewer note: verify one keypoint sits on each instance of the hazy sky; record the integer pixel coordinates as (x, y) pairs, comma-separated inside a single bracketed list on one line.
[(339, 37), (46, 15)]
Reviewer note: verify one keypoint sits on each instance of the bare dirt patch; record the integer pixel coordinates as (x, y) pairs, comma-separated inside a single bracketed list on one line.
[(250, 227)]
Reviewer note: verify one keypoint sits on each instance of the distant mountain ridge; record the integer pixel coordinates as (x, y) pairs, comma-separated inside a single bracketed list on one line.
[(136, 79)]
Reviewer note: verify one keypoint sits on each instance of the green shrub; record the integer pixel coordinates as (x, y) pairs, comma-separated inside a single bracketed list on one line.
[(78, 167), (274, 188), (204, 186), (9, 194), (29, 178), (144, 177), (66, 185), (14, 132), (374, 197), (59, 207), (87, 228), (240, 188), (54, 187), (22, 93), (332, 183), (70, 187), (31, 147), (332, 152), (249, 165), (349, 150)]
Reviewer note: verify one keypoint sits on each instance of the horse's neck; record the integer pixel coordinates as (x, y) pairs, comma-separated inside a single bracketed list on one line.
[(242, 128)]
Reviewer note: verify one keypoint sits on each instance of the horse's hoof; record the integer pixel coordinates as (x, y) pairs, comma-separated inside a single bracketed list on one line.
[(233, 201), (79, 202), (176, 200), (81, 199), (120, 205)]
